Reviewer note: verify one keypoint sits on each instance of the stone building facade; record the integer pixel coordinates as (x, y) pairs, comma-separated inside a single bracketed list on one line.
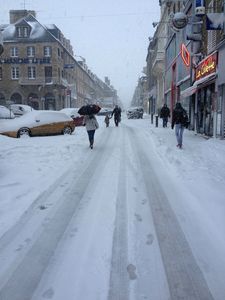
[(38, 67)]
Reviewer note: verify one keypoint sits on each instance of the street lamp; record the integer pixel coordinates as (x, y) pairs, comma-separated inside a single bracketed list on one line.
[(1, 42)]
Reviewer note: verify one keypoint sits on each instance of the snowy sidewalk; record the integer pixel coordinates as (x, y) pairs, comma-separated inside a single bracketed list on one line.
[(199, 157)]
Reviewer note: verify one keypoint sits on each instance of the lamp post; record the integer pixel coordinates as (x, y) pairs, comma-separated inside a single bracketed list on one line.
[(43, 102), (1, 42)]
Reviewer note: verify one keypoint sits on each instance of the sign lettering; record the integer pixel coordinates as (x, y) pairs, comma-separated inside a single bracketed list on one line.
[(206, 67), (17, 60)]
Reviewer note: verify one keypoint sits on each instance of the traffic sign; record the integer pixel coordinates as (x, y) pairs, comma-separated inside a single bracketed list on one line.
[(69, 66)]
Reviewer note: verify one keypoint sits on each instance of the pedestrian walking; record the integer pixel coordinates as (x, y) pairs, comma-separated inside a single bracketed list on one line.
[(180, 121), (107, 118), (91, 124), (117, 115), (165, 114)]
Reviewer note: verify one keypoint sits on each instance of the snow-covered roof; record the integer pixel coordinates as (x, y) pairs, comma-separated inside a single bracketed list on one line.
[(38, 33)]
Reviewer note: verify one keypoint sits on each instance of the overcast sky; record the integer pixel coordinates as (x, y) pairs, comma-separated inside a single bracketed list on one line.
[(112, 34)]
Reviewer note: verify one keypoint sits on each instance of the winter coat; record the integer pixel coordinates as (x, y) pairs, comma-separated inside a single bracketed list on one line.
[(179, 116), (165, 112), (107, 119), (90, 122), (117, 112)]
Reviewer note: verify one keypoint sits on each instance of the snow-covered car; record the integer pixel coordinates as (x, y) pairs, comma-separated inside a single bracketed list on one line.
[(72, 112), (5, 113), (135, 113), (38, 123), (20, 109)]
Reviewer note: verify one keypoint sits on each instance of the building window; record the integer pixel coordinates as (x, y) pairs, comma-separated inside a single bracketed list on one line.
[(15, 72), (212, 34), (22, 32), (30, 51), (1, 73), (25, 31), (31, 72), (47, 51), (14, 52), (48, 74)]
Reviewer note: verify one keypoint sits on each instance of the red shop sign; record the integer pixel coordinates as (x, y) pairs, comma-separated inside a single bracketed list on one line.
[(185, 55), (206, 67)]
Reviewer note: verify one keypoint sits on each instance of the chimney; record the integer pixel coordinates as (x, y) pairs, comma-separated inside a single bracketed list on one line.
[(15, 15), (107, 81)]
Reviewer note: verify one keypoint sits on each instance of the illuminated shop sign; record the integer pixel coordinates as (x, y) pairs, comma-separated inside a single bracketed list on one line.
[(185, 55), (17, 60), (206, 67)]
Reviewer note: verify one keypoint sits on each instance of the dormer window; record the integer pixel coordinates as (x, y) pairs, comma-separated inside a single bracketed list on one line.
[(22, 31)]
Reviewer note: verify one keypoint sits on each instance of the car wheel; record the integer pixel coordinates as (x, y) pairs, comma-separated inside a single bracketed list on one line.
[(67, 130), (23, 132)]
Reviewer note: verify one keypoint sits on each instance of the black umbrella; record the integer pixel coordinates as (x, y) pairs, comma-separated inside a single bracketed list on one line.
[(90, 109)]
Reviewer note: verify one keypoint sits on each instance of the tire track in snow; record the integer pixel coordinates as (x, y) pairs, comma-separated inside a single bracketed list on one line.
[(118, 288), (23, 280), (185, 279)]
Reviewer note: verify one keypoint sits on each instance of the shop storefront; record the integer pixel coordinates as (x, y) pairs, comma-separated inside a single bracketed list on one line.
[(205, 82), (220, 108), (203, 94)]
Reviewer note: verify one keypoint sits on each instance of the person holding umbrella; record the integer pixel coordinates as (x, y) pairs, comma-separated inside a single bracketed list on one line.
[(91, 124)]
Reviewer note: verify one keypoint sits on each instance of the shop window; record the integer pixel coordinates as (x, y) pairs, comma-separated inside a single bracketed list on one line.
[(2, 99), (48, 74)]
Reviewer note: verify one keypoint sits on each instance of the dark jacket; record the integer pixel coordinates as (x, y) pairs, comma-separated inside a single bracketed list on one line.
[(179, 116), (117, 112), (165, 112)]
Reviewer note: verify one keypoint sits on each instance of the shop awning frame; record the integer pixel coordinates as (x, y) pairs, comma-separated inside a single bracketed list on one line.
[(197, 85)]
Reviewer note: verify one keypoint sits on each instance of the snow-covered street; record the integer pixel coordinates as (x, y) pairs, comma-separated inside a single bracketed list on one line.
[(134, 218)]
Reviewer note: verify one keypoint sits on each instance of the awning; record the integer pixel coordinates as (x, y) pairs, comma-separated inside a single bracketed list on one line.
[(205, 80), (188, 92), (197, 85)]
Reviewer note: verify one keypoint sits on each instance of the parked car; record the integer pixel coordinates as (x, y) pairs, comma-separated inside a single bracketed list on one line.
[(72, 112), (20, 109), (38, 123), (5, 113), (135, 113)]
